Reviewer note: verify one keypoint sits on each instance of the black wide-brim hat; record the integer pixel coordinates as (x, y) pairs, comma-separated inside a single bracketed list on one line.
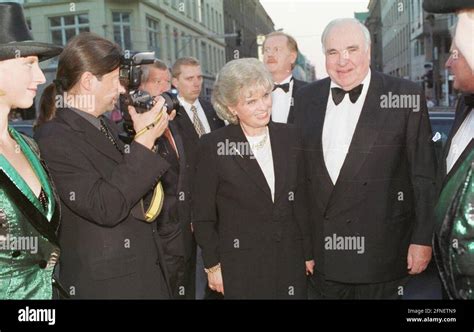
[(16, 39), (446, 6)]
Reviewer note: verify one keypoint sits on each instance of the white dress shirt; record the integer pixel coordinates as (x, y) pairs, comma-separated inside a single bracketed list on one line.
[(339, 126), (264, 158), (200, 112), (281, 102), (460, 141)]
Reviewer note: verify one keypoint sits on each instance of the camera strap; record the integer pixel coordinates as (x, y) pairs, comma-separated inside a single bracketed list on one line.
[(156, 203)]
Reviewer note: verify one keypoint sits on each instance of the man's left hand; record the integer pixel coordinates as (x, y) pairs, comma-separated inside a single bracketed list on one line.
[(418, 258)]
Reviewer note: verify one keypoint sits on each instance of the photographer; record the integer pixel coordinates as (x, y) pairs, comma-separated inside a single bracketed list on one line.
[(175, 213), (107, 252)]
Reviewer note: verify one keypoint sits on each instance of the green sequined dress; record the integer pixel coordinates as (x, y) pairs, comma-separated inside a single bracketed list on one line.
[(28, 244), (453, 242)]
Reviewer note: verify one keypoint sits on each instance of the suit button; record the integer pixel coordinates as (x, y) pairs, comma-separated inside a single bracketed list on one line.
[(16, 253), (42, 264), (364, 184), (348, 221), (326, 218)]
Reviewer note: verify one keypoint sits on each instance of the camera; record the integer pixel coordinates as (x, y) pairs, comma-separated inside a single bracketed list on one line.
[(130, 78)]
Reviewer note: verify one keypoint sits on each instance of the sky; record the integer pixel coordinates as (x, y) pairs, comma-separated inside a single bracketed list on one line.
[(305, 20)]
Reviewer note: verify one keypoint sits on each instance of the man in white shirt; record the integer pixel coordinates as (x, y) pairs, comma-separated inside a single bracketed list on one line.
[(280, 52), (370, 172), (462, 133)]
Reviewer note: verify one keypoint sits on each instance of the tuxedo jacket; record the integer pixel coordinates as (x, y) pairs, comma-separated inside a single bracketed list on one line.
[(261, 244), (106, 252), (383, 198), (297, 84)]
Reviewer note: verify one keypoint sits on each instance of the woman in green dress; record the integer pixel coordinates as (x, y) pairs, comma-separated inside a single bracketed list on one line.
[(29, 209), (453, 243)]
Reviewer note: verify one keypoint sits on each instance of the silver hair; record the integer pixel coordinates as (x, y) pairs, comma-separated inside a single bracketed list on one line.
[(341, 21), (234, 79), (146, 69)]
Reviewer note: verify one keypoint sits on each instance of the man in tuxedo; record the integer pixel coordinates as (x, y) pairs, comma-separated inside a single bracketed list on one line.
[(460, 140), (195, 118), (370, 172), (451, 259), (280, 52)]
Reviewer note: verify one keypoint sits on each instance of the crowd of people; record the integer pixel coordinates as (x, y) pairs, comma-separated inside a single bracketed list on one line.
[(276, 189)]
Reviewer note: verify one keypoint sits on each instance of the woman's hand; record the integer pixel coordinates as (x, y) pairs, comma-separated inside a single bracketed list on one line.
[(309, 267), (215, 281)]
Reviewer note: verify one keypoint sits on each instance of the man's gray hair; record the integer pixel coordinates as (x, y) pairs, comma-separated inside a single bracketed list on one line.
[(342, 21), (146, 69)]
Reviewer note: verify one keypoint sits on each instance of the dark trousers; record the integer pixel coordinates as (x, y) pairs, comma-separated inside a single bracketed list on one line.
[(320, 288)]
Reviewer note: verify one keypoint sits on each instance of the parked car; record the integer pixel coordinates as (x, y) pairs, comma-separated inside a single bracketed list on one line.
[(441, 124)]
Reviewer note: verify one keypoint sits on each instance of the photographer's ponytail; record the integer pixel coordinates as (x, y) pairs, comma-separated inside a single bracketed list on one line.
[(47, 105)]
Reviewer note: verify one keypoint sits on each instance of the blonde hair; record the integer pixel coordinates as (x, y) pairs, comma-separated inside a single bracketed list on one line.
[(185, 61), (235, 78)]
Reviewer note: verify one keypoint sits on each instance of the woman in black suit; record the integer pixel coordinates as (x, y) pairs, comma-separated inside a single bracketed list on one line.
[(249, 213)]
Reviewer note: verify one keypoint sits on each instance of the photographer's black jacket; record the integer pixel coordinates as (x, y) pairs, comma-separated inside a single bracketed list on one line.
[(105, 251)]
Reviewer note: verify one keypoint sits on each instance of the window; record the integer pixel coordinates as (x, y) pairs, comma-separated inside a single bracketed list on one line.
[(64, 28), (204, 57), (196, 48), (195, 10), (211, 60), (168, 43), (200, 11), (176, 46), (153, 34), (212, 21), (122, 34)]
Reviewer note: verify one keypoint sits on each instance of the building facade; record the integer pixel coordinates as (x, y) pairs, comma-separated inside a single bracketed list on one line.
[(171, 28), (244, 22)]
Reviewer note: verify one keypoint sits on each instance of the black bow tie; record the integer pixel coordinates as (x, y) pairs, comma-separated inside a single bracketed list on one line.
[(338, 94), (469, 100), (285, 87)]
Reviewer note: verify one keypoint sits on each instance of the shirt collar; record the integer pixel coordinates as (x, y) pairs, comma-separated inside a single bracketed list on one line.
[(87, 116), (187, 105)]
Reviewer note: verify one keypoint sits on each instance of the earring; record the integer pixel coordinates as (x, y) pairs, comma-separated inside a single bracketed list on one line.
[(2, 93)]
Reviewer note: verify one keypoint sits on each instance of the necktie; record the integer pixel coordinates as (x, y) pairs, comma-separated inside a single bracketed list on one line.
[(285, 87), (338, 94), (170, 139), (105, 130), (197, 122)]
